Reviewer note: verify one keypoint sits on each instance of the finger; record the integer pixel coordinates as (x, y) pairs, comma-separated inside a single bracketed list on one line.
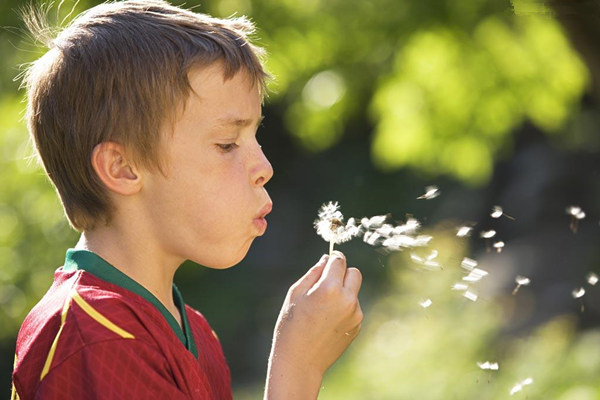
[(312, 275), (353, 280), (335, 269)]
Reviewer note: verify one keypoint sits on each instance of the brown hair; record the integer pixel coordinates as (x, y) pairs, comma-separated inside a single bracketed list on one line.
[(117, 73)]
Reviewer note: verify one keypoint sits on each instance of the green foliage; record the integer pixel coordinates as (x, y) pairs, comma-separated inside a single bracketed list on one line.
[(445, 85), (31, 222)]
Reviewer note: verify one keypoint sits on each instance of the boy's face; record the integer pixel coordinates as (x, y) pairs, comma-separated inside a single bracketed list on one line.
[(209, 205)]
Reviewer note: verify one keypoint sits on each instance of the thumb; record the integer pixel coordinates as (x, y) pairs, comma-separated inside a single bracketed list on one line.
[(312, 276)]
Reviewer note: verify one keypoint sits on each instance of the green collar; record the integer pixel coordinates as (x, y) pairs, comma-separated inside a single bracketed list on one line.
[(95, 265)]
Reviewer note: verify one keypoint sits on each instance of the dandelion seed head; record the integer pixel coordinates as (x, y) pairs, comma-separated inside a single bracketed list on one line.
[(464, 231), (522, 280), (578, 293), (425, 303), (488, 234), (431, 192), (497, 212), (592, 278), (330, 225)]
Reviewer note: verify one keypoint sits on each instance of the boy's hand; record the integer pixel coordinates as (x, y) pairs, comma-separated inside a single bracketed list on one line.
[(319, 319)]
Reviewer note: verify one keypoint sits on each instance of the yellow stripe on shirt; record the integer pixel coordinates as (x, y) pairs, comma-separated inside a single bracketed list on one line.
[(89, 310), (14, 395), (63, 318), (101, 319)]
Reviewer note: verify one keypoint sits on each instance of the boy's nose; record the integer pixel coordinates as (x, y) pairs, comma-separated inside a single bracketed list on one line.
[(264, 171)]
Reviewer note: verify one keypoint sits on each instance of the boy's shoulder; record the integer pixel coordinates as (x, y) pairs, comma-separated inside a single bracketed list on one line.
[(83, 320)]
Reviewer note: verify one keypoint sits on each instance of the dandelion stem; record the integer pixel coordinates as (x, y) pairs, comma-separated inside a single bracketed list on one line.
[(331, 243)]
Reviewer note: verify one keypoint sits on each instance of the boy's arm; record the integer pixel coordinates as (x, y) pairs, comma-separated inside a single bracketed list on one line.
[(319, 319)]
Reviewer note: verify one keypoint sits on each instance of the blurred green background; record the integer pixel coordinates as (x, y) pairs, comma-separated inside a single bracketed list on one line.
[(495, 102)]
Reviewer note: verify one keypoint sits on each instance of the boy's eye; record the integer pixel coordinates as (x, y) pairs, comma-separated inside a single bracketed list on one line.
[(227, 147)]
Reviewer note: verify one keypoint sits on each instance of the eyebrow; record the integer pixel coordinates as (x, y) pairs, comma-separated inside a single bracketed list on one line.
[(241, 122)]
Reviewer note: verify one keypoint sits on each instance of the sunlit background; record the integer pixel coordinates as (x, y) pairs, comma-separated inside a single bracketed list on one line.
[(493, 102)]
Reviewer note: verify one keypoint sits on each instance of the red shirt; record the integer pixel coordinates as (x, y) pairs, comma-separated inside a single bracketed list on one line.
[(97, 334)]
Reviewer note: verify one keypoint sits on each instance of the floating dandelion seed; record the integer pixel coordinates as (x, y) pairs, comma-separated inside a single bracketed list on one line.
[(431, 192), (519, 386), (460, 286), (488, 366), (499, 246), (497, 212), (521, 281), (425, 303), (428, 261), (576, 214), (330, 225), (592, 278), (373, 222), (463, 231), (475, 275), (470, 295), (468, 263), (488, 234), (578, 293)]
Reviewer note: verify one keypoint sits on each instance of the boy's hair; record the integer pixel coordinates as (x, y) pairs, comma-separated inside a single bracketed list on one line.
[(119, 72)]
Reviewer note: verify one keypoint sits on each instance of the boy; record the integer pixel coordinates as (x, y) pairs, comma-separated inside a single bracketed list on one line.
[(144, 116)]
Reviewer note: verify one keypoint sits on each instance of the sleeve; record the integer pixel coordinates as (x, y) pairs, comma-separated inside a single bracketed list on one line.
[(110, 370)]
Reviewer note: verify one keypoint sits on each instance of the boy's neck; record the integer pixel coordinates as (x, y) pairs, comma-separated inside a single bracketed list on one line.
[(134, 258)]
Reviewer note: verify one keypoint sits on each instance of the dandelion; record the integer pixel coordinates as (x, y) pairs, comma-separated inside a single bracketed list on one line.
[(519, 386), (470, 295), (488, 366), (463, 231), (576, 214), (499, 246), (592, 278), (521, 281), (431, 192), (425, 303), (330, 225), (497, 212)]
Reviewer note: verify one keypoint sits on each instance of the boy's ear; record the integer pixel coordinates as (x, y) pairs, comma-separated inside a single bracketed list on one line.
[(114, 169)]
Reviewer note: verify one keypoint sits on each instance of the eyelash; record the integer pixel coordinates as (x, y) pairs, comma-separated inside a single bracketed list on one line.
[(228, 147)]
